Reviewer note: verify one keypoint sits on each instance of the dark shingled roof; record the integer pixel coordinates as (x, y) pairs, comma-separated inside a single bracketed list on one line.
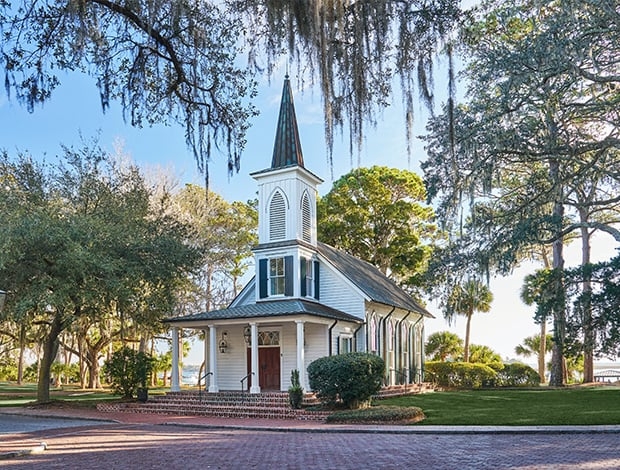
[(273, 308), (287, 146), (378, 287)]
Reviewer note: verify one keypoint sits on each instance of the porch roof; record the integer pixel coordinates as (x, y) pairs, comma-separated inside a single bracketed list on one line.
[(274, 308)]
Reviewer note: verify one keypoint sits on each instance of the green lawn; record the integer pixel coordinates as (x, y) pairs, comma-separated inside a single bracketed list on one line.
[(545, 406), (19, 395), (570, 406)]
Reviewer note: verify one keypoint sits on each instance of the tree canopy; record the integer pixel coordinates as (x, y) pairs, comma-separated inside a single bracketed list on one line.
[(540, 126), (182, 61), (379, 215), (79, 244)]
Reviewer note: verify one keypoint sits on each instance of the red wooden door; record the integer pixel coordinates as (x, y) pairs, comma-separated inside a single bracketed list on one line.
[(268, 368)]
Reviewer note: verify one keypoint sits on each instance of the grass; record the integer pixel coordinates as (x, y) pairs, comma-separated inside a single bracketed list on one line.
[(492, 407), (70, 395), (497, 407)]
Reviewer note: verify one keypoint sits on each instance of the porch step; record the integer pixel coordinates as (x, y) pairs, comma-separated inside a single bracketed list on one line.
[(405, 389), (231, 404), (222, 404)]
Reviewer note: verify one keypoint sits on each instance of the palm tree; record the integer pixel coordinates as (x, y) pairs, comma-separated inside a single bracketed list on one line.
[(443, 345), (481, 354), (466, 299), (532, 346), (533, 292)]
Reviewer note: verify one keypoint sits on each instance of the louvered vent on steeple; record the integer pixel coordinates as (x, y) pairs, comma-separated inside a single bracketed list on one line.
[(277, 217), (306, 219)]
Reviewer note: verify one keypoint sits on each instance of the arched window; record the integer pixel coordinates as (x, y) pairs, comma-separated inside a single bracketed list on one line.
[(373, 335), (277, 217), (306, 218)]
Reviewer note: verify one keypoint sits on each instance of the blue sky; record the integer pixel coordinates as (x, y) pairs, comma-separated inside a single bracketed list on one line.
[(75, 109)]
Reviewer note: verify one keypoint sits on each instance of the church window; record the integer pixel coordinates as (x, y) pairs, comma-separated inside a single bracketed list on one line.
[(276, 276), (345, 344)]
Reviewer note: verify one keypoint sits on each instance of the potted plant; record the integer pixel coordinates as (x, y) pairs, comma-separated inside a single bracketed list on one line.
[(295, 391), (144, 368)]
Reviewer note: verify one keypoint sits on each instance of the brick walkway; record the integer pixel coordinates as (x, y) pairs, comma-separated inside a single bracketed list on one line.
[(169, 442)]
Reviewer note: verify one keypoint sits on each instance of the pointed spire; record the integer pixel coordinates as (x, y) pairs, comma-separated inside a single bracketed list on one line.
[(287, 147)]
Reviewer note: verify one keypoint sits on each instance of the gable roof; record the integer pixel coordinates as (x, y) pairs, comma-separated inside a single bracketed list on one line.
[(274, 308), (372, 282)]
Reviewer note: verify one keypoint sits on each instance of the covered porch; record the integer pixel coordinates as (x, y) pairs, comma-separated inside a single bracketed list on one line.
[(258, 354)]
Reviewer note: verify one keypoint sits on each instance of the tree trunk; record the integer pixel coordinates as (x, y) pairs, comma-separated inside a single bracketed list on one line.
[(542, 351), (94, 380), (22, 347), (466, 349), (50, 349), (559, 313), (588, 330)]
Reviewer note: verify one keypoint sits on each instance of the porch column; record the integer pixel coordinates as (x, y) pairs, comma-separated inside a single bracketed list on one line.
[(255, 388), (213, 383), (174, 380), (301, 354), (205, 358)]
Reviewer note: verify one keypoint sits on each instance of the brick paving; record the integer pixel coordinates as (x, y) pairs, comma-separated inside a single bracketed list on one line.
[(171, 442)]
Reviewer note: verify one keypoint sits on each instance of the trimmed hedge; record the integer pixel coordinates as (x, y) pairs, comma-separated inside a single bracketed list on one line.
[(517, 374), (460, 374), (352, 378), (472, 375)]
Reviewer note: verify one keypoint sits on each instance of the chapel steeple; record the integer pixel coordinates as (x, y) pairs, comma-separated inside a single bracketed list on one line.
[(287, 146)]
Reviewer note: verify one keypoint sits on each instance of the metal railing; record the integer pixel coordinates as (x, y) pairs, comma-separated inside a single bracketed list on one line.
[(244, 379), (200, 381)]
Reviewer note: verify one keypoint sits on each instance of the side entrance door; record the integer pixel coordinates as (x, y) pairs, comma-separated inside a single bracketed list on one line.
[(268, 367)]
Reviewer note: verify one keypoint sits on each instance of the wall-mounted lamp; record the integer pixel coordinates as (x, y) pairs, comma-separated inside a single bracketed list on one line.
[(223, 343), (247, 335)]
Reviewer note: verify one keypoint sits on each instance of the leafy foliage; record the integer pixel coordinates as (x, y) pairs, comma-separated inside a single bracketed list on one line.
[(165, 61), (482, 354), (459, 374), (517, 374), (80, 244), (477, 375), (443, 346), (379, 215), (128, 370), (379, 414), (526, 164), (181, 60), (466, 299), (352, 378), (295, 391)]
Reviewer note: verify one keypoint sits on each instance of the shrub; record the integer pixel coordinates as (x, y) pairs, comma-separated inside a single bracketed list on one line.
[(460, 374), (295, 391), (517, 374), (8, 371), (352, 378), (379, 415), (128, 370)]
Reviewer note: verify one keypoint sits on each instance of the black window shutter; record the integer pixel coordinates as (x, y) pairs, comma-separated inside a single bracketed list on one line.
[(303, 274), (316, 280), (288, 275), (262, 278)]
